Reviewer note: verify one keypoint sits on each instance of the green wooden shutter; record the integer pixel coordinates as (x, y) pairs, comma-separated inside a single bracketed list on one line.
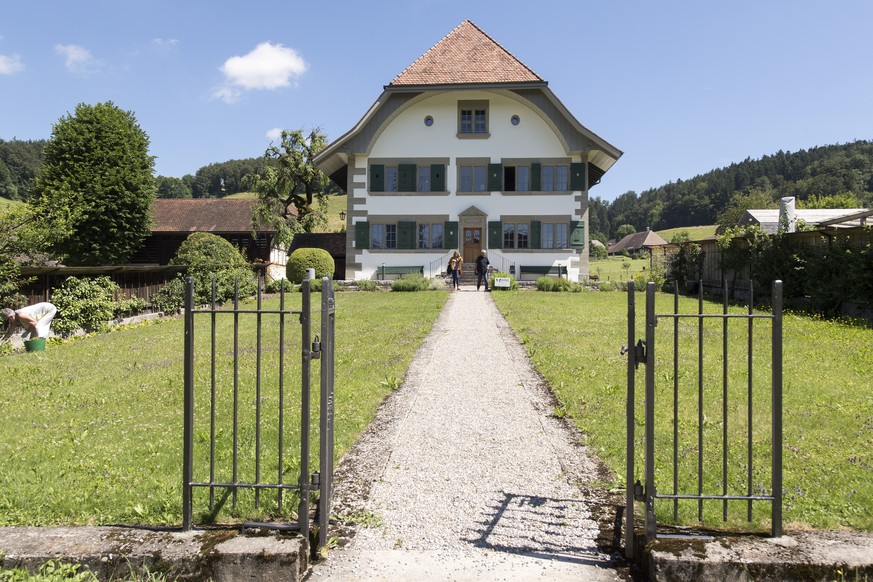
[(577, 176), (406, 235), (437, 178), (377, 177), (362, 235), (535, 236), (406, 177), (495, 177), (536, 177), (450, 235), (577, 234), (495, 234)]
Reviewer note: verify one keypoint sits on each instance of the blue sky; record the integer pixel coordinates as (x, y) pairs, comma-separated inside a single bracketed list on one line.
[(680, 87)]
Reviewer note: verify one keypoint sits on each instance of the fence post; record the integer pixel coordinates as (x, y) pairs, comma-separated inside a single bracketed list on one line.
[(188, 407), (776, 456), (303, 480), (631, 378)]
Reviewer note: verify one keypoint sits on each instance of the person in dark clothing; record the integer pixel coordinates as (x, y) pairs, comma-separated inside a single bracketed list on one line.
[(482, 270)]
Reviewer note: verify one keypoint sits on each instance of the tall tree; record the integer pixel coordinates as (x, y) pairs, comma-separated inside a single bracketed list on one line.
[(291, 181), (97, 185)]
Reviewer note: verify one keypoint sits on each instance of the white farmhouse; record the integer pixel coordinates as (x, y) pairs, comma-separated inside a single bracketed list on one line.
[(467, 149)]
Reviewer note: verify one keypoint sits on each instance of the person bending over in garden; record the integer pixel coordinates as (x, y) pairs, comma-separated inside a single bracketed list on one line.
[(35, 319)]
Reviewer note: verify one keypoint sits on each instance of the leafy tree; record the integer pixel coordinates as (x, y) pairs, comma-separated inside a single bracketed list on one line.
[(20, 162), (844, 200), (172, 187), (742, 201), (23, 241), (97, 185), (624, 230), (291, 181)]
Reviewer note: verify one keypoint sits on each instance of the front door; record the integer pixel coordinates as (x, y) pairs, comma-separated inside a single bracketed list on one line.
[(472, 244)]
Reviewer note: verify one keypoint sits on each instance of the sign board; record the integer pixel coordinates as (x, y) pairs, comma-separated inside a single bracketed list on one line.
[(501, 282)]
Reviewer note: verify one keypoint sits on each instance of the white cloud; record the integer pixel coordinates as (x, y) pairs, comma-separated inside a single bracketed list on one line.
[(274, 134), (165, 44), (268, 66), (10, 65), (77, 59)]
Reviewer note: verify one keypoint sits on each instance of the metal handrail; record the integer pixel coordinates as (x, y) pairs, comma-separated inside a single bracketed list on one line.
[(436, 266)]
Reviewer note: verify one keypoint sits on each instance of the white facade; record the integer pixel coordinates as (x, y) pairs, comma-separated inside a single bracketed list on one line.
[(436, 166)]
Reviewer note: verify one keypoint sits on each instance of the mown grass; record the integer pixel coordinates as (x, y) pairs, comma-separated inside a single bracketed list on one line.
[(575, 340), (694, 232), (617, 268), (92, 429)]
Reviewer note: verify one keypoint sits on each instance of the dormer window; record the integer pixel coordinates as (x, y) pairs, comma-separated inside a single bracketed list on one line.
[(473, 119)]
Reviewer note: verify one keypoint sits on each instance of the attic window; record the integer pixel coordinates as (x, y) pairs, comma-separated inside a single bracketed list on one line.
[(515, 120), (428, 121), (473, 119)]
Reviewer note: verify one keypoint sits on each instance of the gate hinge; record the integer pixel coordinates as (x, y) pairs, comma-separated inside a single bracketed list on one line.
[(639, 353), (315, 353), (639, 493)]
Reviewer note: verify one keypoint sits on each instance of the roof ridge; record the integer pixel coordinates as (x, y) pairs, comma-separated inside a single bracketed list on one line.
[(466, 55)]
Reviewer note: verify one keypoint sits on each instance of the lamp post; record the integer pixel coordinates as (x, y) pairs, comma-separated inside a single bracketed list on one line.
[(343, 215)]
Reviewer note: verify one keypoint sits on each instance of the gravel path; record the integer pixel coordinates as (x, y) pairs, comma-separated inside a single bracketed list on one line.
[(464, 474)]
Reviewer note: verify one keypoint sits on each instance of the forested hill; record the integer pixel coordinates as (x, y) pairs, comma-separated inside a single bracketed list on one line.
[(836, 170)]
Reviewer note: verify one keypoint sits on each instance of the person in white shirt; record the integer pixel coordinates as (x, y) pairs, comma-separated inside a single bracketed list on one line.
[(35, 319)]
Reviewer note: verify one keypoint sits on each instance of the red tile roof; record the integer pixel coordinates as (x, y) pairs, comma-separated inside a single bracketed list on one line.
[(466, 56), (217, 215)]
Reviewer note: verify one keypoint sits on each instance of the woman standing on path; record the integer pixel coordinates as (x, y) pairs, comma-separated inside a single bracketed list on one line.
[(455, 269)]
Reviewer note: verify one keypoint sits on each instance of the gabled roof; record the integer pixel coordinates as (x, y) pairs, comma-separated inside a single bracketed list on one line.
[(637, 241), (466, 56), (466, 59), (215, 215)]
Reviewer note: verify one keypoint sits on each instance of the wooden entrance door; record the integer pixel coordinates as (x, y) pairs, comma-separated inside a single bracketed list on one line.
[(472, 244)]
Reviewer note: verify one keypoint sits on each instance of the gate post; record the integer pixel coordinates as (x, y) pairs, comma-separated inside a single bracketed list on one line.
[(188, 408), (631, 378), (776, 455), (326, 401), (651, 321), (303, 480)]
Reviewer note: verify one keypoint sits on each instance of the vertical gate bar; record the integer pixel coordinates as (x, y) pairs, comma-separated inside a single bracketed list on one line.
[(235, 384), (700, 399), (212, 406), (281, 391), (188, 413), (303, 481), (675, 400), (724, 399), (777, 410), (328, 315), (749, 404), (651, 320), (631, 378), (258, 400)]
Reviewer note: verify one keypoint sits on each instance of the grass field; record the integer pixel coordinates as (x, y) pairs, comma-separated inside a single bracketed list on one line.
[(6, 204), (574, 340), (617, 268), (694, 232), (92, 428)]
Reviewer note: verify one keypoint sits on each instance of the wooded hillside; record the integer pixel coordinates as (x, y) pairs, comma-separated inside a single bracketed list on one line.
[(809, 175)]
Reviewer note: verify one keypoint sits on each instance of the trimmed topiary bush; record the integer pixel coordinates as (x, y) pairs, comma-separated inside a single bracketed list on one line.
[(303, 259), (209, 257)]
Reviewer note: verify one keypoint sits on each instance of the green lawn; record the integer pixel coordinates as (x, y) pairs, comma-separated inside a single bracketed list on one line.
[(617, 268), (92, 428), (6, 204), (694, 232), (574, 340)]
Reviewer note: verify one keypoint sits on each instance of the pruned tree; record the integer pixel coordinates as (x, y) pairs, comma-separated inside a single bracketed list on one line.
[(97, 185), (291, 181)]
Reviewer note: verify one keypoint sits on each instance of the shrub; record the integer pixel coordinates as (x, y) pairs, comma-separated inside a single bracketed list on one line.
[(367, 285), (410, 283), (314, 286), (546, 283), (275, 286), (513, 284), (607, 286), (303, 259), (210, 257), (86, 303), (171, 297)]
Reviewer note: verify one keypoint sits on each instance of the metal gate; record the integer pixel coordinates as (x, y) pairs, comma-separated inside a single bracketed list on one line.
[(228, 471), (644, 352)]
